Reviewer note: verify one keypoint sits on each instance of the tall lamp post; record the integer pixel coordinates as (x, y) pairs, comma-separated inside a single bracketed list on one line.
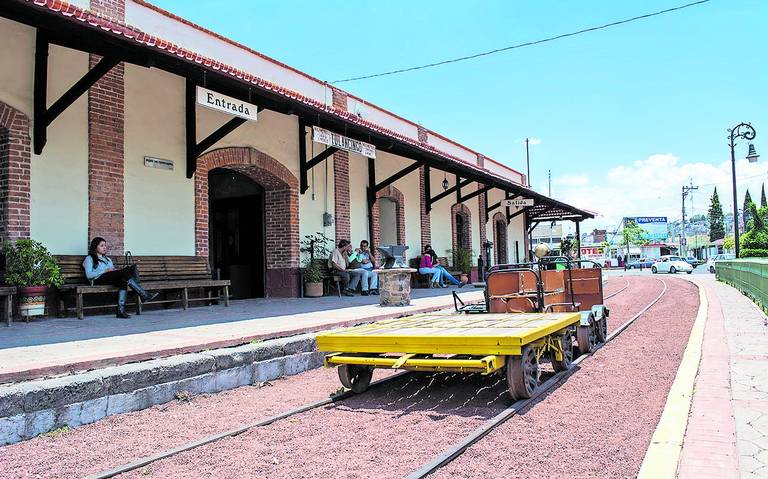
[(742, 130)]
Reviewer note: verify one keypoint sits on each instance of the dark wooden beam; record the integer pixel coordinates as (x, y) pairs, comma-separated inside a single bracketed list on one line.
[(517, 213), (76, 91), (400, 174), (217, 135), (191, 126), (477, 192), (508, 210), (458, 189), (447, 192), (39, 133), (321, 156), (303, 180)]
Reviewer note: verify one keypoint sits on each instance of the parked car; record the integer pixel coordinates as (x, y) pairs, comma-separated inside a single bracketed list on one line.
[(711, 263), (692, 261), (642, 262), (671, 264)]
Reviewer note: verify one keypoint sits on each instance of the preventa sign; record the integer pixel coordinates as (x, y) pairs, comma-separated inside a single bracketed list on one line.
[(517, 202), (226, 104), (330, 138)]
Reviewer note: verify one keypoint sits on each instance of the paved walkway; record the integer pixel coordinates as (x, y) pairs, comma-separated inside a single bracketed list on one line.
[(727, 433), (58, 346)]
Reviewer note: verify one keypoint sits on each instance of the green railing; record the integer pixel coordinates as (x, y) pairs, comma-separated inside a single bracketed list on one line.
[(750, 276)]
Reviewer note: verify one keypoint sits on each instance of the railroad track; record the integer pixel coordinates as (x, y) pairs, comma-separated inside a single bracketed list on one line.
[(616, 292), (438, 462)]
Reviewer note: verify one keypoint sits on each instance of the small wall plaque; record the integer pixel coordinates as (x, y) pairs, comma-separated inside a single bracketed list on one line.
[(150, 162)]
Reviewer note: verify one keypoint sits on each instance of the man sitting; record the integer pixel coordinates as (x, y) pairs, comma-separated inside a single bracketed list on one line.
[(367, 263), (339, 263)]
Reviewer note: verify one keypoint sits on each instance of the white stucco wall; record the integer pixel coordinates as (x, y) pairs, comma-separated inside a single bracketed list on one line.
[(311, 208), (358, 202), (59, 176), (159, 204)]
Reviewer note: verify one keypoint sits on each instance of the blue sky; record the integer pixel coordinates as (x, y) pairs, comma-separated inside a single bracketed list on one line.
[(624, 116)]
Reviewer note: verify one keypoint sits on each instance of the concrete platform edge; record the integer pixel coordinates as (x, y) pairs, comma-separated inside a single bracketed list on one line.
[(663, 454), (31, 408)]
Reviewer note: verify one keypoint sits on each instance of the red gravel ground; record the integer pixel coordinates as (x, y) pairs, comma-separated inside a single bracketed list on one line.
[(598, 423), (385, 433)]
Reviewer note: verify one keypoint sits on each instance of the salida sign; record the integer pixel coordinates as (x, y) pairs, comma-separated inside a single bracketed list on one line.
[(226, 104)]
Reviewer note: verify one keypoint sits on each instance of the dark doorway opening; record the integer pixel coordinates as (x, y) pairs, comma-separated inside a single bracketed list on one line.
[(237, 233)]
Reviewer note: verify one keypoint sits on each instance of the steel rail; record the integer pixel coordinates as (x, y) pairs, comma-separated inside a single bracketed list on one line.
[(458, 449), (146, 460), (616, 292)]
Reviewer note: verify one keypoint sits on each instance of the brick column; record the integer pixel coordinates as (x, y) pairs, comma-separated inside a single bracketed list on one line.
[(106, 142), (426, 222), (341, 194), (15, 159)]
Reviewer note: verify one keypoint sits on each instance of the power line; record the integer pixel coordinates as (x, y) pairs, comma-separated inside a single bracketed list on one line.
[(521, 45)]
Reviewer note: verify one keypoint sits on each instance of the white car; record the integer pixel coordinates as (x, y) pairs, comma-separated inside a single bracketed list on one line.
[(671, 264), (718, 257)]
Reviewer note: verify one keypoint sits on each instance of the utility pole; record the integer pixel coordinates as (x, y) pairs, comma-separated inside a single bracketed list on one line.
[(686, 190), (549, 175), (528, 163)]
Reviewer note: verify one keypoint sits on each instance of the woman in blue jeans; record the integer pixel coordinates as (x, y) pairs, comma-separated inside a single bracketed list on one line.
[(429, 265)]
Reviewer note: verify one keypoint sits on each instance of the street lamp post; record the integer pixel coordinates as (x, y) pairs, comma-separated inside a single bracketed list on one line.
[(742, 130)]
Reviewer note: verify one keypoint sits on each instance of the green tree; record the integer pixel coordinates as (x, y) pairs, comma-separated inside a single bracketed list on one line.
[(747, 213), (763, 202), (632, 234), (716, 223), (754, 243)]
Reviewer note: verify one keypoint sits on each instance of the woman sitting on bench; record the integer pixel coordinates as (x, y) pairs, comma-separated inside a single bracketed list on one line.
[(430, 265), (99, 269)]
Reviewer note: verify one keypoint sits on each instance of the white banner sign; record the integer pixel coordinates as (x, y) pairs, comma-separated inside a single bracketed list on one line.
[(226, 104), (330, 138), (517, 202)]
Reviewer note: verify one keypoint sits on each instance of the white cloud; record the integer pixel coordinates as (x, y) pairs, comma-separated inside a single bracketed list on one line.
[(652, 187)]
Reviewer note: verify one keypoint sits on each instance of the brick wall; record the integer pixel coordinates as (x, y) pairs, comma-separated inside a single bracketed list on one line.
[(423, 134), (481, 217), (339, 99), (341, 193), (106, 145), (426, 221), (15, 157), (281, 204)]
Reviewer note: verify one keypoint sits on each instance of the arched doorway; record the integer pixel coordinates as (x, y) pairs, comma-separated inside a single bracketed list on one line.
[(461, 220), (500, 238), (15, 160), (236, 231), (389, 217), (260, 175)]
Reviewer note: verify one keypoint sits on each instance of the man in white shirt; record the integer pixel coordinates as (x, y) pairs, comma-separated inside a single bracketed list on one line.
[(339, 264)]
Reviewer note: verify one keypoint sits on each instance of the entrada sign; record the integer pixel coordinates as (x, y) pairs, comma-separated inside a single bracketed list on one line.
[(517, 202), (321, 135), (226, 104)]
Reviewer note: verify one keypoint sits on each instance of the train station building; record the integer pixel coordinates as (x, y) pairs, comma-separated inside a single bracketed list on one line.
[(121, 120)]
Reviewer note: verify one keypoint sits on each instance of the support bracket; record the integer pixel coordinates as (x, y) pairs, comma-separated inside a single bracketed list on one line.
[(449, 191), (400, 174), (44, 116)]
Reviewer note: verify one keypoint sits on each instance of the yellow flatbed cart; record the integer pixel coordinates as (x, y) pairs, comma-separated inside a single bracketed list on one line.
[(484, 343)]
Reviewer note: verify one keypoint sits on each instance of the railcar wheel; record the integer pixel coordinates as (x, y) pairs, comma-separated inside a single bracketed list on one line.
[(566, 342), (523, 374), (586, 336), (356, 378), (601, 332)]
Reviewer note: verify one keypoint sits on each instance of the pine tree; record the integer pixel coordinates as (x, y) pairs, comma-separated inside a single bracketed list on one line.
[(716, 220), (747, 216), (763, 202)]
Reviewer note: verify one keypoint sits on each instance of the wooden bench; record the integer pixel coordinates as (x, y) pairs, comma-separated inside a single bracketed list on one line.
[(6, 294), (330, 279), (158, 273)]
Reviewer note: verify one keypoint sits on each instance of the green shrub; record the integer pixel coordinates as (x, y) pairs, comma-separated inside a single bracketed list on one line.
[(462, 259), (753, 253), (754, 243), (312, 272), (29, 263)]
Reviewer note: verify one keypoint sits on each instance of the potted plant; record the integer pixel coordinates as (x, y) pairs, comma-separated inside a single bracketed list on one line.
[(462, 261), (315, 248), (32, 269)]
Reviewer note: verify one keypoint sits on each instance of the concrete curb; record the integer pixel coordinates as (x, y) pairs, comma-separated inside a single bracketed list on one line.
[(663, 454), (31, 408)]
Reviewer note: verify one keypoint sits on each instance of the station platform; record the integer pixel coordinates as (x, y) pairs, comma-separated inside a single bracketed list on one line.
[(56, 346)]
